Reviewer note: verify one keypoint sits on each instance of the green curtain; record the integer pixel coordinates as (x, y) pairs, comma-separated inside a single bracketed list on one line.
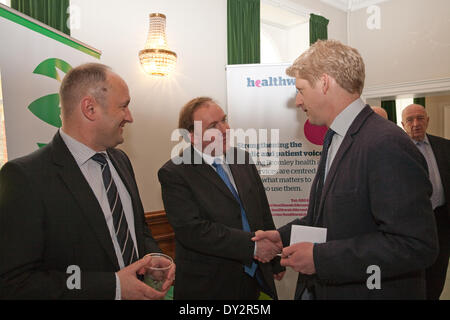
[(318, 28), (243, 31), (51, 12), (389, 106), (420, 101)]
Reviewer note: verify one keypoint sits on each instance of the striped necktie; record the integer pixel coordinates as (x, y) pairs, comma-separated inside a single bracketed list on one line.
[(119, 220)]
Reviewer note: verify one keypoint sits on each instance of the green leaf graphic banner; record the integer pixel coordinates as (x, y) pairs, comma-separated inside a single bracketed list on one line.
[(48, 68), (47, 109)]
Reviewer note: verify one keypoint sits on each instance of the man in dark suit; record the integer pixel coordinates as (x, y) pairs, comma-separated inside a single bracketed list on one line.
[(64, 234), (371, 191), (436, 151), (214, 200)]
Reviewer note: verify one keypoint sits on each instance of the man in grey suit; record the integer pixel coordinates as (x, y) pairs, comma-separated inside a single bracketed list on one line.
[(371, 191), (71, 220), (436, 151)]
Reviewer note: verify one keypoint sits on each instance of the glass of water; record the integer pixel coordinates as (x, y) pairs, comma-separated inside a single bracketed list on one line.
[(157, 270)]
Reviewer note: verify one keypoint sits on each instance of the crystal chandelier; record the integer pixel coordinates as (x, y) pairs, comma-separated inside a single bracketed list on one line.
[(156, 58)]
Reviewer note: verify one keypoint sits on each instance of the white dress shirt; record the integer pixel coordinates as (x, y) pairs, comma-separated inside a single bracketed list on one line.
[(340, 125), (209, 159), (437, 197)]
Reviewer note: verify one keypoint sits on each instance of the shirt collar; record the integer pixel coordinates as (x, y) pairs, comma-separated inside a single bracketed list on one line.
[(81, 152), (344, 119), (209, 159), (424, 141)]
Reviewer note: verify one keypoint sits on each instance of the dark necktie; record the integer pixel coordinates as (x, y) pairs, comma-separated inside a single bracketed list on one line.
[(321, 171), (120, 222), (245, 226)]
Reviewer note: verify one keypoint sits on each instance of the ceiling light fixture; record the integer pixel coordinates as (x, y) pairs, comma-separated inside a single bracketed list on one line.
[(156, 58)]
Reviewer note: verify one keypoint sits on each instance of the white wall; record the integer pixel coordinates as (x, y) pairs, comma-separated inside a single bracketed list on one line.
[(413, 43), (196, 31), (274, 42), (437, 107), (298, 41), (283, 44), (3, 153)]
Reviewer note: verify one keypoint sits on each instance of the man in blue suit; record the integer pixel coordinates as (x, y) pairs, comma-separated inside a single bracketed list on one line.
[(371, 191)]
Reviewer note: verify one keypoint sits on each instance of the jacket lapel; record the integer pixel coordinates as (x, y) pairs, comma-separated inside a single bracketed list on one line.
[(206, 171), (73, 178), (437, 150), (343, 149), (239, 171)]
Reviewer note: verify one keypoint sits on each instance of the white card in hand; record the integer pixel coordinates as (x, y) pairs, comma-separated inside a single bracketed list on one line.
[(308, 234)]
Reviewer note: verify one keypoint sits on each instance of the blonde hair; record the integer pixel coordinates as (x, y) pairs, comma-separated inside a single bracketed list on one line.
[(331, 57)]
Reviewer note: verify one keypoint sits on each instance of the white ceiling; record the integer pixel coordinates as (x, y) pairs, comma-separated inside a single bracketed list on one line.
[(351, 5), (281, 16), (288, 13)]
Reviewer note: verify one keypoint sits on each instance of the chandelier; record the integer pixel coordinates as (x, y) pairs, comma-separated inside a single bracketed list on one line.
[(156, 58)]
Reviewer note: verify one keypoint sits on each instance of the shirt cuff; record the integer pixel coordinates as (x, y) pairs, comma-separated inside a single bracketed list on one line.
[(118, 293)]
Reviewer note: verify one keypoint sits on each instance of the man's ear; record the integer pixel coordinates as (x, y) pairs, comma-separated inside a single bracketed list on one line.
[(88, 108), (325, 82)]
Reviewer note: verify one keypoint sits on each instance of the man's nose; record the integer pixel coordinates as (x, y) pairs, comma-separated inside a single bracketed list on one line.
[(298, 101), (128, 116), (223, 126)]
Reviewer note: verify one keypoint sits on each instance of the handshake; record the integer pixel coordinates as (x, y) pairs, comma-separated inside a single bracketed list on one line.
[(298, 256), (268, 245)]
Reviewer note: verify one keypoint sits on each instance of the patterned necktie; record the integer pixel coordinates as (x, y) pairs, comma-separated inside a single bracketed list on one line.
[(246, 227), (120, 222), (321, 171)]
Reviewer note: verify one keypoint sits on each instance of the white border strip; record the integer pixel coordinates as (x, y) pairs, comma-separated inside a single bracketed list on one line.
[(416, 87)]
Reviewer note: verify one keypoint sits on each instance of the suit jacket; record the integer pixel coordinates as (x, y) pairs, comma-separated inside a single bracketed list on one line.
[(441, 150), (375, 205), (51, 219), (211, 247)]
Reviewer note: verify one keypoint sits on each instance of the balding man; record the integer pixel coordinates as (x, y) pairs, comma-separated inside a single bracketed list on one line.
[(72, 223), (380, 111), (436, 151)]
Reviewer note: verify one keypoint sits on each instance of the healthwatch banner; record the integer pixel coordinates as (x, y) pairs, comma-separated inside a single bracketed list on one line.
[(261, 98)]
